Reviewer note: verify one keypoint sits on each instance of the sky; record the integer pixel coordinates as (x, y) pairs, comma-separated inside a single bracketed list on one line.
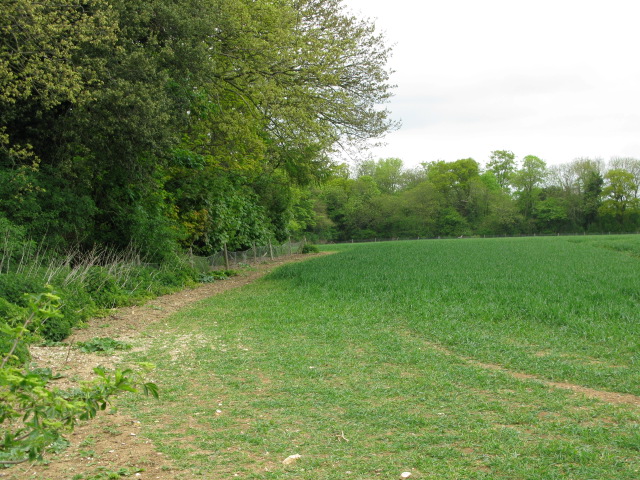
[(559, 79)]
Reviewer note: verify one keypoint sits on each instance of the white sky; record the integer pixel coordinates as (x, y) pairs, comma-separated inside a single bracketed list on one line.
[(559, 79)]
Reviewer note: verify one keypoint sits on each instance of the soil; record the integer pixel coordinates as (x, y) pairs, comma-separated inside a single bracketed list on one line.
[(112, 442)]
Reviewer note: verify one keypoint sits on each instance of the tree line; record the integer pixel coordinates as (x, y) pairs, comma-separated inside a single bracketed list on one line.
[(178, 124), (504, 197), (175, 125)]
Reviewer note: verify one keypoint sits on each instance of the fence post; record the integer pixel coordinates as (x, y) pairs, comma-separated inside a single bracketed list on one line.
[(290, 252), (270, 250), (226, 257), (255, 253)]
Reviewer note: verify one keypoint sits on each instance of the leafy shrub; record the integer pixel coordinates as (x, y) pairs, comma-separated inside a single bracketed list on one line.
[(9, 311), (309, 248), (13, 302), (33, 416), (103, 344), (57, 329), (216, 275), (13, 286), (173, 276), (20, 355)]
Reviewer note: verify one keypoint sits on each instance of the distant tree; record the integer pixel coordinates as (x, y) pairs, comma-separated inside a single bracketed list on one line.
[(579, 185), (502, 163), (386, 172), (453, 180), (618, 194), (631, 165), (527, 181)]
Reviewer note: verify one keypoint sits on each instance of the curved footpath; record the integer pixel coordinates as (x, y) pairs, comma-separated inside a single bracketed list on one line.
[(111, 443)]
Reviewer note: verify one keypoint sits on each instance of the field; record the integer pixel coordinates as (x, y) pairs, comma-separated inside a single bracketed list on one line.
[(451, 359)]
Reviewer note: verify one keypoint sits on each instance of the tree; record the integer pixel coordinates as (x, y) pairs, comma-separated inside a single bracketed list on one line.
[(619, 194), (453, 180), (579, 184), (132, 97), (387, 173), (502, 163), (631, 165), (527, 181)]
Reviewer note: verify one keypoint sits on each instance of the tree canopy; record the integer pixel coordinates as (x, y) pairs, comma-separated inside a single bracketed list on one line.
[(161, 121), (505, 197)]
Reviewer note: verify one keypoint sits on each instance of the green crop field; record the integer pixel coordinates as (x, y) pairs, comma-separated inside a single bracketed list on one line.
[(450, 359)]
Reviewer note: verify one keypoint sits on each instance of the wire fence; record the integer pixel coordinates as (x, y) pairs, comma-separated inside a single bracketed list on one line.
[(253, 255)]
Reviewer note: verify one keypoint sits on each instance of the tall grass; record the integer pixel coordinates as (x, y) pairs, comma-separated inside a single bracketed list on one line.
[(87, 280)]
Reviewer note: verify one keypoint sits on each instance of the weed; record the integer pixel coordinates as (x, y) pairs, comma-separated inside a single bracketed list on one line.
[(105, 473), (309, 248), (102, 345), (111, 430), (214, 275), (87, 442)]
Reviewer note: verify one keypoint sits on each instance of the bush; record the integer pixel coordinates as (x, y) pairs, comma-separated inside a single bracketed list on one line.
[(309, 248), (9, 311), (13, 287), (103, 287), (214, 275), (34, 415), (13, 302), (88, 282)]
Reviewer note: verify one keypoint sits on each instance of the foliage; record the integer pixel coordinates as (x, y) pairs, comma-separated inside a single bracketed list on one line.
[(174, 125), (88, 281), (309, 248), (104, 344), (506, 197), (214, 275), (35, 415)]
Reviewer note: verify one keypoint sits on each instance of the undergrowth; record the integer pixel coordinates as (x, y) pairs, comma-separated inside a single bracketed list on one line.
[(89, 282), (102, 345)]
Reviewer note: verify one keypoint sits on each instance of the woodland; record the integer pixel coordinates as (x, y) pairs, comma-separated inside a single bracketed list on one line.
[(178, 125), (506, 196)]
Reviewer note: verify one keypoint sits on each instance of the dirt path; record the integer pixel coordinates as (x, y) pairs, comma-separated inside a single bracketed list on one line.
[(111, 446)]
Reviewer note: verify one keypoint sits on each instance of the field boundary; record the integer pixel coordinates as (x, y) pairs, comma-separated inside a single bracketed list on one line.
[(445, 237)]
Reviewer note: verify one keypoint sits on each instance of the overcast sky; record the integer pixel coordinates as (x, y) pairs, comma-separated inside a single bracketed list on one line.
[(559, 79)]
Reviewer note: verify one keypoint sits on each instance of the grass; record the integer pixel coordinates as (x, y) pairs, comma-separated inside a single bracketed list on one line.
[(359, 362)]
